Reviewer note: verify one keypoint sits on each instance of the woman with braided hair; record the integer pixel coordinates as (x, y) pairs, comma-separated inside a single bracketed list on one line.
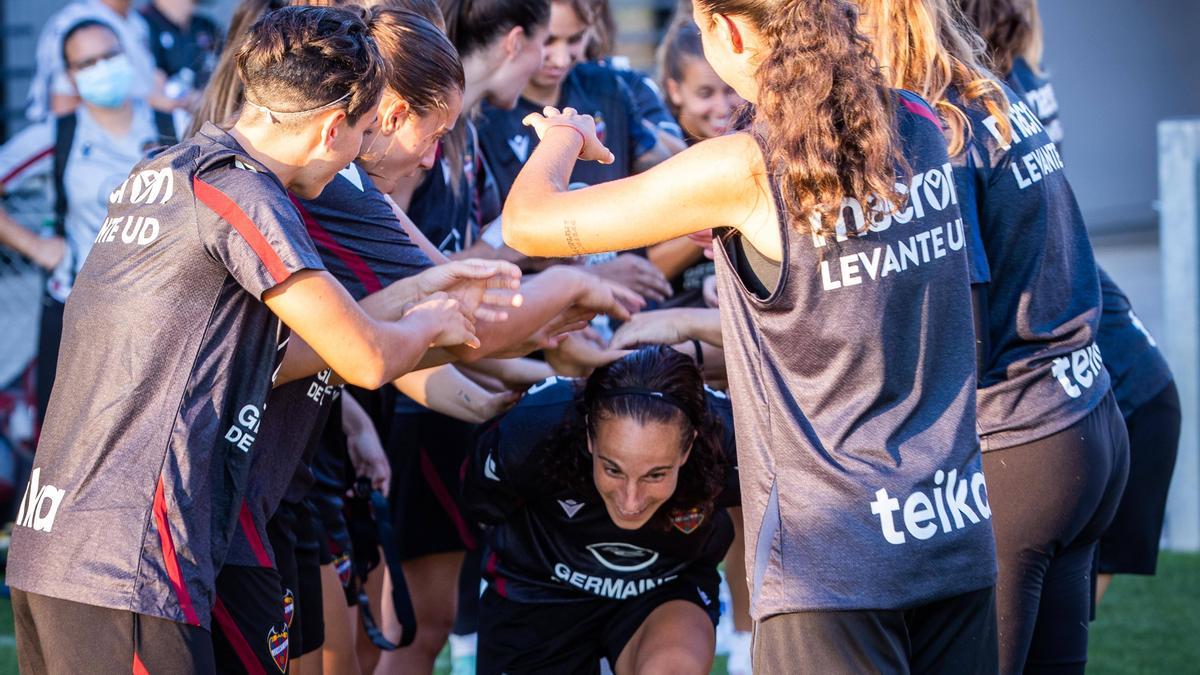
[(846, 310)]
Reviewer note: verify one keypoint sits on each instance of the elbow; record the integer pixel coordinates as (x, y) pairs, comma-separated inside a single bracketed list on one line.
[(370, 373), (514, 227)]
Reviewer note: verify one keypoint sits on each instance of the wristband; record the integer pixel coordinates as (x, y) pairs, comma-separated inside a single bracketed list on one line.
[(576, 130)]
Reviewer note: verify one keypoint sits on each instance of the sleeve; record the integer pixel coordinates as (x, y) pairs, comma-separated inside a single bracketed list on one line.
[(492, 482), (641, 139), (28, 154), (650, 105), (257, 232)]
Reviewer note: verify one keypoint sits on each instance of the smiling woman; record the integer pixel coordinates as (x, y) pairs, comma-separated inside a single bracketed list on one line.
[(605, 500)]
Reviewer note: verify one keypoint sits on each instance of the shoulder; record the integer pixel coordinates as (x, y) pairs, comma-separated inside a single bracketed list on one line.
[(545, 405)]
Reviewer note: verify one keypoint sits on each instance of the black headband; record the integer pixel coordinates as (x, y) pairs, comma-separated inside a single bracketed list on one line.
[(649, 393)]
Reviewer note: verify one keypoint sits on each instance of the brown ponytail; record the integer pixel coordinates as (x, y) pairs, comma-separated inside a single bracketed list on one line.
[(823, 107)]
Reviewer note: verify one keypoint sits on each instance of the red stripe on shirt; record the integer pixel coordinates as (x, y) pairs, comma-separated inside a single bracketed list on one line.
[(168, 552), (227, 209), (139, 668), (26, 164), (256, 543), (233, 634), (438, 488), (918, 109), (358, 267)]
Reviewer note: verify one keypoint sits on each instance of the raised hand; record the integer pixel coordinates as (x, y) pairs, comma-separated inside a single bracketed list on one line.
[(484, 288), (449, 325), (584, 125), (580, 353)]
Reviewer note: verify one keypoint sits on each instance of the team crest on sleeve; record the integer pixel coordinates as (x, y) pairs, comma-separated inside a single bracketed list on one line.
[(277, 643), (687, 521), (601, 127), (289, 607)]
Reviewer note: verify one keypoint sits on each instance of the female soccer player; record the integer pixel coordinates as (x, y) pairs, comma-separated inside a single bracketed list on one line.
[(846, 310), (1045, 411), (605, 505), (178, 324), (1141, 379)]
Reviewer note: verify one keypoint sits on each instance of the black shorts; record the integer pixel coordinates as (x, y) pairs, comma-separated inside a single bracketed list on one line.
[(1130, 545), (332, 536), (427, 451), (952, 635), (62, 637), (572, 637), (293, 539), (1051, 500), (252, 620)]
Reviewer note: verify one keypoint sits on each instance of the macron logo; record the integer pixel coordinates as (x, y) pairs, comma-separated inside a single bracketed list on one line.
[(489, 469), (570, 506), (520, 146), (40, 504)]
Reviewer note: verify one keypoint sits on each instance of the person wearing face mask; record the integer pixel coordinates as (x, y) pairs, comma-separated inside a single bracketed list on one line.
[(52, 90), (605, 505), (203, 291), (87, 153)]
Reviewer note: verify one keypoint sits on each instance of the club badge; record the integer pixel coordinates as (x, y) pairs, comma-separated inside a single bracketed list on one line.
[(687, 521), (277, 643), (289, 607)]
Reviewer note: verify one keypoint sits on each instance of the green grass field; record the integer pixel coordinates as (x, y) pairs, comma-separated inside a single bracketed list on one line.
[(1146, 624)]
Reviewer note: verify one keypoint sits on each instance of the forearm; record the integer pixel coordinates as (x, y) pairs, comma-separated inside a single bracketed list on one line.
[(355, 420), (545, 296), (395, 349), (519, 371), (703, 324), (16, 236), (447, 391)]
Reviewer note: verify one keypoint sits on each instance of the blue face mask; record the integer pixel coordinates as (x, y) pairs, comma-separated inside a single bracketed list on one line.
[(106, 84)]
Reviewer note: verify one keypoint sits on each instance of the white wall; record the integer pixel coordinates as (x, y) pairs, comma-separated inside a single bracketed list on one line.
[(1120, 66)]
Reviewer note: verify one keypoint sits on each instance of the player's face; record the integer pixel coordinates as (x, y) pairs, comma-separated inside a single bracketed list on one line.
[(636, 467), (568, 40), (705, 102), (402, 142), (513, 75), (338, 144)]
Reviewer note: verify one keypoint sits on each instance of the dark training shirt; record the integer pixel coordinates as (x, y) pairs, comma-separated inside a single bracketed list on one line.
[(362, 244), (853, 388), (1134, 363), (167, 359), (562, 546), (1044, 371)]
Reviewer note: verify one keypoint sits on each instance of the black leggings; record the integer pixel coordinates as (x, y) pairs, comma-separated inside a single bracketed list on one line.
[(1051, 500)]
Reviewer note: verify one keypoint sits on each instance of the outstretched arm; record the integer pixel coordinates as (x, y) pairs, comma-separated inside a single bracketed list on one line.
[(716, 183)]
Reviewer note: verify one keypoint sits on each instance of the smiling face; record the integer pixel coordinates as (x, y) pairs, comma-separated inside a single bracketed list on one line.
[(705, 102), (564, 48), (401, 142), (636, 466)]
